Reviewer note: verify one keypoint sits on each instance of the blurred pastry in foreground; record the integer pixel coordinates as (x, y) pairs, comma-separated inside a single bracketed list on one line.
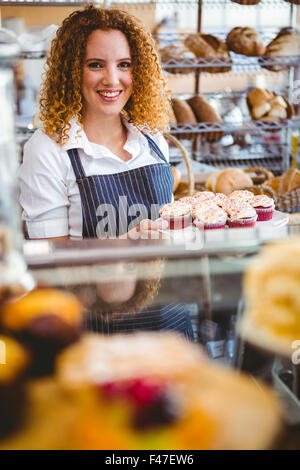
[(46, 321), (245, 41), (271, 289), (155, 390), (14, 361)]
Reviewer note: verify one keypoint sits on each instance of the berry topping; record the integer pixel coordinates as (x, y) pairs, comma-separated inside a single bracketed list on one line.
[(160, 412), (140, 391)]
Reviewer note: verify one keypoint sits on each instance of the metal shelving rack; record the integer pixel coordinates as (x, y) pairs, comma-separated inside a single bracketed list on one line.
[(239, 65)]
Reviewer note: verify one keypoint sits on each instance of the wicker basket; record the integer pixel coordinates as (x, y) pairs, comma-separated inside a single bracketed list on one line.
[(261, 175), (288, 202), (190, 188)]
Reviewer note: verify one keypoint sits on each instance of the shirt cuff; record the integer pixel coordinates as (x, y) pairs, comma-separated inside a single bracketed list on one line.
[(48, 229)]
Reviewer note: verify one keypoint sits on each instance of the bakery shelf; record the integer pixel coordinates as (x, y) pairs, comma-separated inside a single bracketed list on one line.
[(238, 63), (228, 128)]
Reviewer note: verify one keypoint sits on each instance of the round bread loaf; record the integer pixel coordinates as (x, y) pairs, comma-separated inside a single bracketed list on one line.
[(209, 46), (204, 112), (284, 44), (245, 41), (227, 181)]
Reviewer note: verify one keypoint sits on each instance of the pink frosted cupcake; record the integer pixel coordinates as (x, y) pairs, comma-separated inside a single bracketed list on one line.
[(204, 195), (178, 215), (264, 207), (241, 195), (211, 217), (220, 199), (240, 214)]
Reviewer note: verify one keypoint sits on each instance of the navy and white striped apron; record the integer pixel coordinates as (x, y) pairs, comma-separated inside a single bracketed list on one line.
[(150, 185), (119, 195)]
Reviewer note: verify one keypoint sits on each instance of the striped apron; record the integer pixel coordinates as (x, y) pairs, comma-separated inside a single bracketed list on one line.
[(149, 187), (113, 204)]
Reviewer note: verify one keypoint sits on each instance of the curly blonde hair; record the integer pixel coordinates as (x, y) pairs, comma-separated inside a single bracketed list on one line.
[(61, 96)]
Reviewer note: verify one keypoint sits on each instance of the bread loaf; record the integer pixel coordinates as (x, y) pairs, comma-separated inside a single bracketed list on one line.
[(209, 46), (289, 181), (285, 44), (179, 52), (184, 114), (204, 112), (245, 41), (227, 181)]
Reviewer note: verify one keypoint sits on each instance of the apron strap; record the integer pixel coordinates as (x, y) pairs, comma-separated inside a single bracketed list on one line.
[(76, 164), (155, 148)]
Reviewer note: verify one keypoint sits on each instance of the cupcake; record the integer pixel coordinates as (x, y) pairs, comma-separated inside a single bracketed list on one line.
[(240, 214), (177, 214), (204, 195), (14, 360), (46, 321), (211, 217), (220, 199), (264, 207), (241, 195)]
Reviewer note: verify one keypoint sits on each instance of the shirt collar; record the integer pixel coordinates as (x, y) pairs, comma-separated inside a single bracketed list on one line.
[(78, 139)]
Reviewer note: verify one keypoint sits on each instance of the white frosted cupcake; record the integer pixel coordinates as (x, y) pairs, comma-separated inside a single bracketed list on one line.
[(178, 214), (211, 217), (241, 195), (220, 199), (240, 214), (264, 207), (204, 195)]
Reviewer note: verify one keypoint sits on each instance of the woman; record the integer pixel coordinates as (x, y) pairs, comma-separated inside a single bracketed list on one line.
[(94, 170)]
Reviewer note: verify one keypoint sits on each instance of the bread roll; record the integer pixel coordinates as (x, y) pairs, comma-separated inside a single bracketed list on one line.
[(209, 46), (274, 183), (259, 96), (227, 181), (278, 111), (204, 112), (245, 41), (259, 111)]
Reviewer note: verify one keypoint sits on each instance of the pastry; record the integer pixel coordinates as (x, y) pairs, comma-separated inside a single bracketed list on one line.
[(204, 112), (14, 360), (210, 217), (266, 105), (45, 321), (177, 52), (184, 114), (245, 41), (241, 195), (240, 214), (271, 290), (208, 46), (264, 207), (155, 389), (177, 214), (226, 181), (284, 44)]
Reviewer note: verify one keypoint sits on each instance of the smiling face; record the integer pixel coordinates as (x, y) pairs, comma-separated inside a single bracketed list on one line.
[(107, 73)]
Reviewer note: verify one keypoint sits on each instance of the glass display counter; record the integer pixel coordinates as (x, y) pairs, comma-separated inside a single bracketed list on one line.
[(193, 287)]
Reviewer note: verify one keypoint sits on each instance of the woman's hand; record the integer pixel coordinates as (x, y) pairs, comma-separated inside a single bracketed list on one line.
[(148, 229)]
